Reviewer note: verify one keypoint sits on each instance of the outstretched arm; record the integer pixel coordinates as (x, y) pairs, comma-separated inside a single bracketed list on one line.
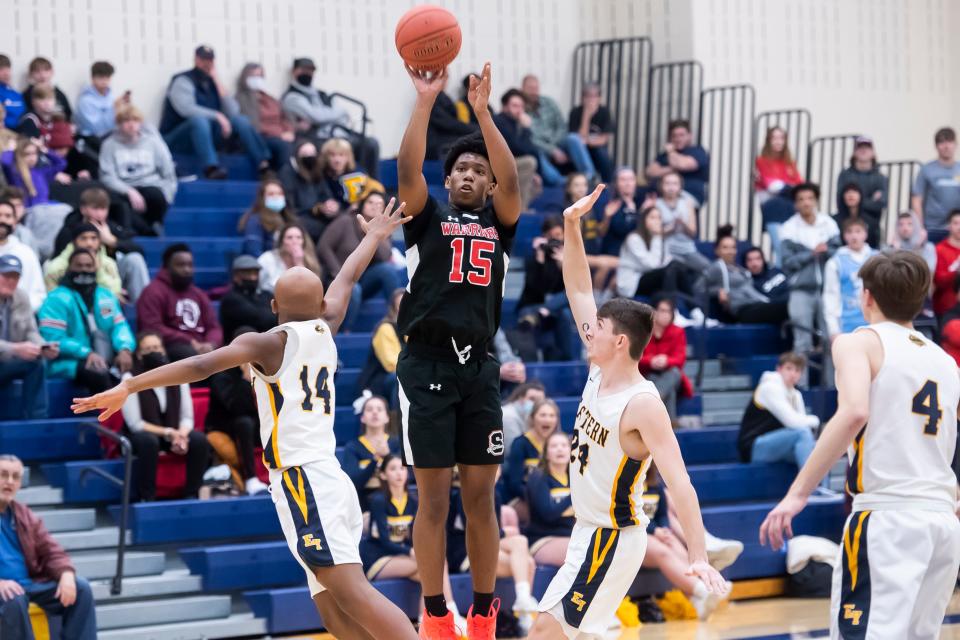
[(576, 271), (506, 196), (378, 228), (248, 348), (413, 146)]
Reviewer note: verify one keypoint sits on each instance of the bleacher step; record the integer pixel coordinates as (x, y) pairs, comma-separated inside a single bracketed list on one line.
[(241, 624), (40, 495), (726, 400), (63, 520), (94, 566), (726, 383), (149, 612), (728, 416), (166, 584), (98, 538)]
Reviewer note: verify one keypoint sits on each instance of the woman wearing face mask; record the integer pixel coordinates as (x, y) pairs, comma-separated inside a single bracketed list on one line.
[(162, 420), (344, 180), (525, 452), (261, 222), (517, 408), (306, 190), (362, 457), (265, 113), (88, 323), (295, 250)]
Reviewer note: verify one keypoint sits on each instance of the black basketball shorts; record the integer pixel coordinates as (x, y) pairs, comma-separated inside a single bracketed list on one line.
[(450, 411)]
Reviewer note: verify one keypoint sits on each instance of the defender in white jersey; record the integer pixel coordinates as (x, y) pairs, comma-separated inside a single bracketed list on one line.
[(897, 413), (621, 424), (293, 368)]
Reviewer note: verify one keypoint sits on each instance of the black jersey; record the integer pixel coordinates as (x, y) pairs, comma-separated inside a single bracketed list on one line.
[(456, 261)]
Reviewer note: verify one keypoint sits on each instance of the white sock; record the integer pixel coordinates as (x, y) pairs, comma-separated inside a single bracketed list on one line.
[(700, 590), (522, 589)]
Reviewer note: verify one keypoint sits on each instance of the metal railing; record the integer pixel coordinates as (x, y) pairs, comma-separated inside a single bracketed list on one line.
[(126, 450), (900, 176), (796, 122), (355, 105), (726, 131), (674, 92), (622, 69), (826, 157)]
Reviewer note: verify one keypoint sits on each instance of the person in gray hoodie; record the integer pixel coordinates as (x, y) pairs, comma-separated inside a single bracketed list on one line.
[(135, 163), (731, 285), (808, 240)]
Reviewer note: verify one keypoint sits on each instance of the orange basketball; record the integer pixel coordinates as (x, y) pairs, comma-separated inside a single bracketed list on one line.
[(428, 37)]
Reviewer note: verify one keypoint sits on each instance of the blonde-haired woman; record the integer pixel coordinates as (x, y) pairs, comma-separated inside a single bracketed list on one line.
[(347, 184)]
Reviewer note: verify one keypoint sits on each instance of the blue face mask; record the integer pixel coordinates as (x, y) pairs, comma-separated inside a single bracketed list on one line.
[(275, 203), (526, 406)]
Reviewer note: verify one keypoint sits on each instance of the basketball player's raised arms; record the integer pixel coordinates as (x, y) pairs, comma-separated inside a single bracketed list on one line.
[(576, 271), (412, 187)]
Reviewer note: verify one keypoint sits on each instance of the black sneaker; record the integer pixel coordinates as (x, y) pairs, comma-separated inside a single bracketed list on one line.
[(215, 172)]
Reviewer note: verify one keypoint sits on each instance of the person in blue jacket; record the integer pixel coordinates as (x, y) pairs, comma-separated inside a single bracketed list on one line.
[(96, 343), (387, 550), (622, 211), (526, 450), (551, 508), (362, 456)]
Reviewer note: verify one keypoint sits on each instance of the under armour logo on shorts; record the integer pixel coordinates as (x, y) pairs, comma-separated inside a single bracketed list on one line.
[(435, 387), (495, 443)]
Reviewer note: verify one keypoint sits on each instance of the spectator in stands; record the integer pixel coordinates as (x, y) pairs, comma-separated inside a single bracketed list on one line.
[(645, 267), (314, 115), (177, 310), (362, 456), (136, 165), (731, 286), (776, 173), (594, 128), (936, 191), (865, 173), (387, 550), (678, 213), (512, 369), (525, 452), (445, 126), (465, 112), (517, 408), (87, 237), (852, 209), (543, 302), (10, 98), (48, 127), (31, 277), (775, 426), (808, 240), (265, 113), (95, 116), (558, 147), (36, 569), (198, 115), (15, 196), (946, 277), (346, 184), (295, 250), (680, 154), (94, 209), (841, 281), (603, 266), (25, 170), (379, 375), (87, 322), (40, 72), (514, 124), (245, 305), (232, 418), (663, 359), (306, 189), (620, 215), (768, 280), (909, 235), (22, 350), (8, 140), (161, 419), (551, 509), (261, 223), (950, 333)]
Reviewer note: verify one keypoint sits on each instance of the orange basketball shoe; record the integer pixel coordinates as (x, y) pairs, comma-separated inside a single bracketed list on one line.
[(483, 627), (437, 628)]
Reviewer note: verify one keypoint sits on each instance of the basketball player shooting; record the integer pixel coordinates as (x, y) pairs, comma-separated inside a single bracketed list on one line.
[(293, 366), (901, 544), (449, 384)]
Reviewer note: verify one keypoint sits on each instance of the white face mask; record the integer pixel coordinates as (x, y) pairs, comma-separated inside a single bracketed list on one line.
[(256, 83)]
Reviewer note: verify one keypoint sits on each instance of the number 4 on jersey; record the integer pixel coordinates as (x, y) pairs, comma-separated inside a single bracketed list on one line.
[(927, 403), (321, 389), (482, 264)]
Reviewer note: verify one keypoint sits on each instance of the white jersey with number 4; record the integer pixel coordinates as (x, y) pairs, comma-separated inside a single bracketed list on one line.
[(297, 404), (606, 486), (902, 459)]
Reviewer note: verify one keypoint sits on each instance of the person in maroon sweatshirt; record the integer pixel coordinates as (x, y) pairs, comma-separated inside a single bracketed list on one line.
[(34, 568), (177, 310), (663, 359)]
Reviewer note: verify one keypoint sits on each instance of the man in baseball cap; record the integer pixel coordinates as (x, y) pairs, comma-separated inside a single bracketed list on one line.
[(22, 350), (245, 305)]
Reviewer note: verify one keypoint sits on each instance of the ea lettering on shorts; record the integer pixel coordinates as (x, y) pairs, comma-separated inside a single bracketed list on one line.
[(591, 428)]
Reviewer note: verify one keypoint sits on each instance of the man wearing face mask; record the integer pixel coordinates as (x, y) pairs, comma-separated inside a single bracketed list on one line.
[(245, 304), (177, 310), (313, 112), (307, 191), (96, 343), (31, 277)]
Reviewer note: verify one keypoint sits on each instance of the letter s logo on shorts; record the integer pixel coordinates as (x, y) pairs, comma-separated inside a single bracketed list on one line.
[(495, 443)]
